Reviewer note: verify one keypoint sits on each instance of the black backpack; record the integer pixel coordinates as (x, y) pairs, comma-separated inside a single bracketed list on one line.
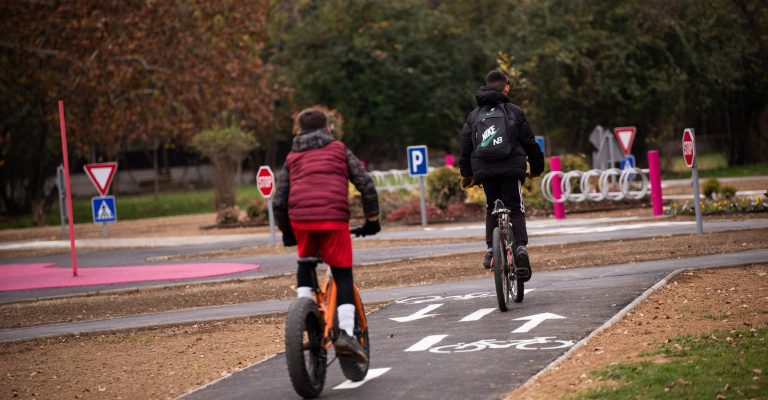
[(493, 135)]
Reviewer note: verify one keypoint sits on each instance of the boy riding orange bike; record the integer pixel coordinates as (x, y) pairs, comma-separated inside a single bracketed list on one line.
[(312, 210)]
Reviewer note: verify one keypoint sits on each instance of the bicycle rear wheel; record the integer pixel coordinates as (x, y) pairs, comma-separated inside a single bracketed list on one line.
[(353, 370), (304, 350), (500, 270), (516, 286)]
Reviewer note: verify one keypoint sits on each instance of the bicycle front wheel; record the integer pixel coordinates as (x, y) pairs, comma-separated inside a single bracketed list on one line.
[(500, 270), (304, 349)]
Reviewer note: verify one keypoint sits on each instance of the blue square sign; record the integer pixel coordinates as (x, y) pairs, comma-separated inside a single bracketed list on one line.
[(627, 162), (540, 142), (103, 209), (417, 160)]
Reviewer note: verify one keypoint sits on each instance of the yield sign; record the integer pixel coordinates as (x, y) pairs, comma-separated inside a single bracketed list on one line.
[(625, 135), (101, 175)]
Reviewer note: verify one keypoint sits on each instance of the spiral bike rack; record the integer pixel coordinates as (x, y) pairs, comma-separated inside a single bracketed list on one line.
[(612, 184)]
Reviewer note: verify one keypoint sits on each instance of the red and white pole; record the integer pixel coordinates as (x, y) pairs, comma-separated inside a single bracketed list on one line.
[(654, 170), (69, 187), (554, 165)]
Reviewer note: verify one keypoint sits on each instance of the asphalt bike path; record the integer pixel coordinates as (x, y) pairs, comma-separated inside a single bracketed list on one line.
[(454, 343), (541, 232)]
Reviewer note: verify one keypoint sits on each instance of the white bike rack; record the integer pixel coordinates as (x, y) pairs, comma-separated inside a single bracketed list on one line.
[(621, 179)]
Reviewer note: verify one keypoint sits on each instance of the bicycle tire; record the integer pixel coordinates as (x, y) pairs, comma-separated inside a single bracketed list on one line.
[(353, 370), (500, 270), (516, 286), (307, 371)]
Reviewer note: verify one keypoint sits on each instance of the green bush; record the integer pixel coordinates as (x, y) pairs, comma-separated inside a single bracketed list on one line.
[(710, 188), (228, 215), (728, 192), (740, 205), (443, 187), (257, 210)]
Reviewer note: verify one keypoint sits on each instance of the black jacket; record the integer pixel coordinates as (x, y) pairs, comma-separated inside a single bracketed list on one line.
[(514, 165)]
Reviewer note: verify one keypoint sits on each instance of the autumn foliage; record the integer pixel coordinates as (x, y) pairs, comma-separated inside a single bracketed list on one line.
[(128, 72)]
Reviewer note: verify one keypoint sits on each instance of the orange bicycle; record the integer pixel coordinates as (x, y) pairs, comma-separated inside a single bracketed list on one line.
[(311, 329)]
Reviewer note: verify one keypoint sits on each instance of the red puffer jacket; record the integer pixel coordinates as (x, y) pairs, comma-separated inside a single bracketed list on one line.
[(318, 180)]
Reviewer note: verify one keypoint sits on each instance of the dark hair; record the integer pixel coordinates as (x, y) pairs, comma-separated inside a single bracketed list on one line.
[(496, 80), (311, 119)]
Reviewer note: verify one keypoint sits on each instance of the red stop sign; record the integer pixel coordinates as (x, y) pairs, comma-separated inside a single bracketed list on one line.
[(265, 181), (689, 147)]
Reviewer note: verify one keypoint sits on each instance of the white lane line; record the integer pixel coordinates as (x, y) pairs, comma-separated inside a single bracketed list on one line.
[(477, 314), (372, 374), (418, 314), (426, 343), (534, 321)]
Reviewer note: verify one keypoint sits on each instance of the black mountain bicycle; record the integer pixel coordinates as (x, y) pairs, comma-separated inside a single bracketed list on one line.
[(503, 263)]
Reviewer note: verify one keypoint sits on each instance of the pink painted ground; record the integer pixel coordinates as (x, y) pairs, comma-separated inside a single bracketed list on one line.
[(39, 276)]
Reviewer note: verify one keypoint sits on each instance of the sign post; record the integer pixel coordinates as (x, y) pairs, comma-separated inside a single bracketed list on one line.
[(689, 155), (103, 207), (63, 128), (265, 182), (418, 165)]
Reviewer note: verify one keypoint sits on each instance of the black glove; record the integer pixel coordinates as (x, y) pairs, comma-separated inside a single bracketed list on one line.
[(288, 239), (368, 228), (537, 166)]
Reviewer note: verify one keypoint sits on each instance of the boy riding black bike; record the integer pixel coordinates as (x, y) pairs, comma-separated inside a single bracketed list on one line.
[(312, 210), (495, 141)]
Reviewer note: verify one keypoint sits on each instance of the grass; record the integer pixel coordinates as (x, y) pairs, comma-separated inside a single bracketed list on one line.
[(732, 364), (141, 206), (712, 165)]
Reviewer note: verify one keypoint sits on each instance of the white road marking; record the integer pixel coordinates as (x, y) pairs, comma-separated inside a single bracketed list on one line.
[(426, 343), (372, 374), (418, 314), (534, 321), (477, 314)]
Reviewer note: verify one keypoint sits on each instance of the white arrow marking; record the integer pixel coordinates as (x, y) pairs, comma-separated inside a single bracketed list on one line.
[(477, 314), (372, 374), (534, 321), (418, 314), (426, 343)]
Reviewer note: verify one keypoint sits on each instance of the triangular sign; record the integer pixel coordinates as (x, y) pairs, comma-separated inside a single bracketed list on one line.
[(625, 136), (101, 175)]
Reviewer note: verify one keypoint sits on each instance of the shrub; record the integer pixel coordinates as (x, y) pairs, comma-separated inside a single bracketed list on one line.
[(257, 210), (728, 192), (710, 188), (228, 215), (727, 206), (443, 187), (411, 213)]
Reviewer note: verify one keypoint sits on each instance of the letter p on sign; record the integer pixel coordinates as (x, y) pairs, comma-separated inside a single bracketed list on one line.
[(417, 160)]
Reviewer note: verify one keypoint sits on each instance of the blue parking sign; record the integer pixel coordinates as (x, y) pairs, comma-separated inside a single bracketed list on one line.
[(540, 142), (417, 160), (103, 209)]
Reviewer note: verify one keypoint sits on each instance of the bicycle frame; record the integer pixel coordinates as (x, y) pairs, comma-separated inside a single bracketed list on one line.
[(325, 295)]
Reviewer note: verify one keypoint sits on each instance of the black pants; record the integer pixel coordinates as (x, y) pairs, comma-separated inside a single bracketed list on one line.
[(510, 192), (345, 292)]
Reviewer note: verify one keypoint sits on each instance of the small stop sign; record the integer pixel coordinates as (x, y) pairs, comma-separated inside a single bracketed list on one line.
[(689, 148), (265, 181)]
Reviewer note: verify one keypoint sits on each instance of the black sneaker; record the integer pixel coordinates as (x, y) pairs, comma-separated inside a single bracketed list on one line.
[(348, 346), (487, 259), (523, 264)]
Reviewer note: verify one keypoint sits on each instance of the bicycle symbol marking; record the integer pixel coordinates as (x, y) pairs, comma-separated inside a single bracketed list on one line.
[(434, 298), (537, 343)]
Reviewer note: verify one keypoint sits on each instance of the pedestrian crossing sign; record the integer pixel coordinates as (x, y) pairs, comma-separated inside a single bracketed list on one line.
[(103, 209)]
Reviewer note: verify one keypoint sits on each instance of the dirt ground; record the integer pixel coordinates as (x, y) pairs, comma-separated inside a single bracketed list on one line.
[(695, 302), (391, 274)]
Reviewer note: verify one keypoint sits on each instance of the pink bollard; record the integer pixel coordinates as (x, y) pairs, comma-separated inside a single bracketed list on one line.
[(554, 165), (449, 161), (654, 170)]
